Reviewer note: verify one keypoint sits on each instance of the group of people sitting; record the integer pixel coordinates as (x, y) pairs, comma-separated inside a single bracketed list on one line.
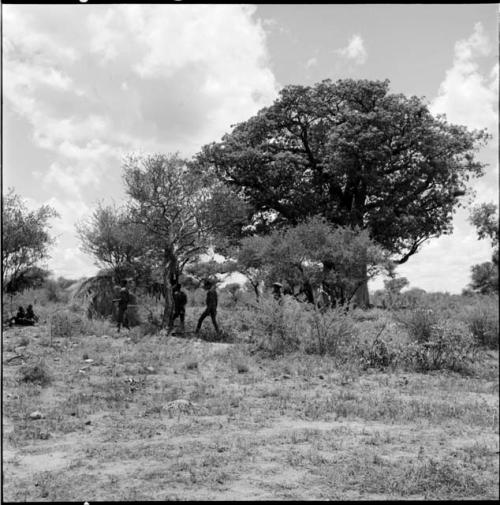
[(24, 317)]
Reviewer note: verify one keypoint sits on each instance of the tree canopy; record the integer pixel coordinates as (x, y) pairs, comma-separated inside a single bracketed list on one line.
[(355, 154), (485, 275), (25, 238), (114, 240)]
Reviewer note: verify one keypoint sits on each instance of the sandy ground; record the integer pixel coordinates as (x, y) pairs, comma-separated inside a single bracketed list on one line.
[(171, 418)]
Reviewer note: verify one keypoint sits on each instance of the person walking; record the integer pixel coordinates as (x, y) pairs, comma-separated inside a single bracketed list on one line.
[(211, 309)]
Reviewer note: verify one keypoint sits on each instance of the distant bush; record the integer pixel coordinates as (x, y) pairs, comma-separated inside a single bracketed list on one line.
[(36, 373), (54, 292)]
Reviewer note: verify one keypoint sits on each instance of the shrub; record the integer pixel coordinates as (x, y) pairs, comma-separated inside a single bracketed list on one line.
[(418, 323), (36, 373), (379, 354), (209, 334), (277, 326), (330, 331), (450, 347), (482, 321), (66, 324)]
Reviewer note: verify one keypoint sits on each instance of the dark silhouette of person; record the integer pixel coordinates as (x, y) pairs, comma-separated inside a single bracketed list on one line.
[(30, 314), (180, 301), (277, 290), (123, 301), (211, 309), (20, 316)]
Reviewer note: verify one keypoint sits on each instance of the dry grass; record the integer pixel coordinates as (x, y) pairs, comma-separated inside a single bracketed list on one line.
[(157, 418)]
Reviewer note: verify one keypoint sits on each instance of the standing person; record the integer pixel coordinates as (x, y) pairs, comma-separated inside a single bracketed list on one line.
[(123, 301), (211, 309), (180, 301)]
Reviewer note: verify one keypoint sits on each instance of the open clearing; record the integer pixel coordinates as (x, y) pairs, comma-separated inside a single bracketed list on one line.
[(169, 418)]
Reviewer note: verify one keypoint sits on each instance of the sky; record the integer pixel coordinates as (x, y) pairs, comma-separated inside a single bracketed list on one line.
[(83, 85)]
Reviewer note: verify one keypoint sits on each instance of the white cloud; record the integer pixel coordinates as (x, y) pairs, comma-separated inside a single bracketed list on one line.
[(95, 83), (312, 62), (467, 96), (354, 51)]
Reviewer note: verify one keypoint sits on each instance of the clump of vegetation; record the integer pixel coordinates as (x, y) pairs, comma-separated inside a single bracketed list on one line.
[(242, 367), (66, 324), (379, 354), (36, 373), (277, 325), (418, 323), (451, 346), (482, 320), (330, 331), (225, 334)]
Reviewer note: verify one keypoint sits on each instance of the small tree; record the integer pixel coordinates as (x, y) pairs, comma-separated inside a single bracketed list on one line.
[(316, 252), (168, 199), (393, 288), (25, 238)]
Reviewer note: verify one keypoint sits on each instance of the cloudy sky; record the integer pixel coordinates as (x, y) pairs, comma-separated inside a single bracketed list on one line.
[(85, 84)]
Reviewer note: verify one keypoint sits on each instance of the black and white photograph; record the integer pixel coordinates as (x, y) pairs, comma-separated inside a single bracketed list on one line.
[(250, 251)]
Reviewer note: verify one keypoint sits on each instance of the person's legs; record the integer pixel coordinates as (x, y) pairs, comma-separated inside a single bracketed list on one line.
[(213, 314), (182, 314), (125, 319), (120, 318), (206, 312)]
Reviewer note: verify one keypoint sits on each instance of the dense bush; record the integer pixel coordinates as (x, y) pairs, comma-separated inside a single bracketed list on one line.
[(330, 331), (379, 354), (418, 323), (66, 324), (451, 346), (482, 321), (276, 325)]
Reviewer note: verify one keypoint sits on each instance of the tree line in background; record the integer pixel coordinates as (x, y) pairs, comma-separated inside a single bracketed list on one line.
[(329, 186)]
